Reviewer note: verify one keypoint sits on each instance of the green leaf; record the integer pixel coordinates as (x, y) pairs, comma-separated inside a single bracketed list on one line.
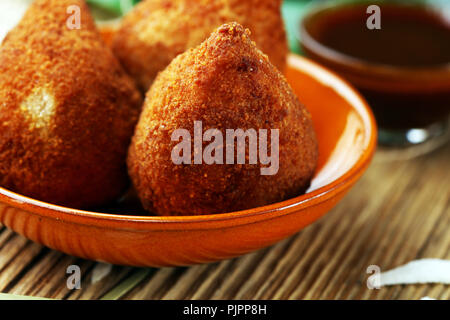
[(114, 6), (128, 284), (7, 296)]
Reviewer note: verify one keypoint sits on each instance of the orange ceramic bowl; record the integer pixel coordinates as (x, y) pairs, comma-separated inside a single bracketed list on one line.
[(346, 132)]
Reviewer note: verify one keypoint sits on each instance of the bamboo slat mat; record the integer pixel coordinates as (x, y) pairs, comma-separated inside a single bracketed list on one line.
[(398, 212)]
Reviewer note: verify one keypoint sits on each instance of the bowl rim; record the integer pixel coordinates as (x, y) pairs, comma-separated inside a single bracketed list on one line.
[(359, 65), (100, 220)]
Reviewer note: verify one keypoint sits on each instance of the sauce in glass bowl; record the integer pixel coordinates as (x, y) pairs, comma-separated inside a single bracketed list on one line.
[(402, 69)]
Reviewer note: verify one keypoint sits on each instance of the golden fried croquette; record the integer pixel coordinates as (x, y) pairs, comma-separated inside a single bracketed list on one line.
[(225, 83), (68, 110), (156, 31)]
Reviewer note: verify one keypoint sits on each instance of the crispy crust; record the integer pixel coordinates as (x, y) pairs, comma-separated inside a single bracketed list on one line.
[(67, 110), (156, 31), (226, 83)]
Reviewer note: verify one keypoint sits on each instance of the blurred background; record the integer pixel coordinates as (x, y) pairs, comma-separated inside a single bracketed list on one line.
[(293, 10)]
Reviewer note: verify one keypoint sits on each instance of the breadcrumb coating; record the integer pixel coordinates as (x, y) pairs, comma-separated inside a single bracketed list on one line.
[(67, 110), (227, 83), (156, 31)]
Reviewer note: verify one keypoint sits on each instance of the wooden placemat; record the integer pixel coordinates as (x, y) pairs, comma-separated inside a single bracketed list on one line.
[(398, 212)]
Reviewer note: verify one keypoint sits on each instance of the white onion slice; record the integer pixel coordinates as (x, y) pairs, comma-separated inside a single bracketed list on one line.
[(418, 271)]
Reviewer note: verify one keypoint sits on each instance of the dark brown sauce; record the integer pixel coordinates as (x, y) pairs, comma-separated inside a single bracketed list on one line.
[(412, 37), (409, 36)]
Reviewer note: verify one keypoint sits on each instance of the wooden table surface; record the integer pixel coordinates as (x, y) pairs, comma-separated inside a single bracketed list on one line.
[(398, 212)]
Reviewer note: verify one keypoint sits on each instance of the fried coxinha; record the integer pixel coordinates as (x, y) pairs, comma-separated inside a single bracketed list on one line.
[(67, 110), (224, 83), (156, 31)]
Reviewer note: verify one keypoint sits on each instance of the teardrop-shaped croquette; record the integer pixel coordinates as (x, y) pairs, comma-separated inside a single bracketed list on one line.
[(67, 109), (156, 31), (224, 84)]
